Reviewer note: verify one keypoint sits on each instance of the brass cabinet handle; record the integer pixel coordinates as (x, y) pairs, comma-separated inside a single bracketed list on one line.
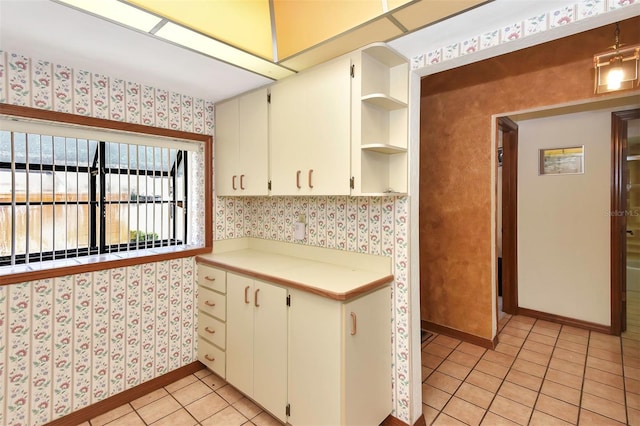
[(246, 295), (208, 330), (208, 303), (233, 182), (208, 278), (354, 324), (310, 175), (298, 179), (208, 358), (255, 296), (242, 182)]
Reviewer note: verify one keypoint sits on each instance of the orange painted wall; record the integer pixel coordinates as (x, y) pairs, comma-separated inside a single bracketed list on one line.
[(455, 163)]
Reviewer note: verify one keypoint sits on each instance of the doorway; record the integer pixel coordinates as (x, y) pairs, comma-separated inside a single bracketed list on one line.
[(625, 224), (507, 235)]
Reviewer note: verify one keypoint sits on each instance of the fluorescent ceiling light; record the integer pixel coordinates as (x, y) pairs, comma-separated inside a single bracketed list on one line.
[(117, 11), (132, 17), (216, 49)]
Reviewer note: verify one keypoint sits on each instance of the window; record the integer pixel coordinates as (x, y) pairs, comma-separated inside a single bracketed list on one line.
[(68, 192)]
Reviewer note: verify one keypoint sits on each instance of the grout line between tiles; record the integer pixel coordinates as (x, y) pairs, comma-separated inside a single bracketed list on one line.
[(508, 371)]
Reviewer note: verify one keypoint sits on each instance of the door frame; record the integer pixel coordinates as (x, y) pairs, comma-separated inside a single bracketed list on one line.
[(509, 190), (619, 123)]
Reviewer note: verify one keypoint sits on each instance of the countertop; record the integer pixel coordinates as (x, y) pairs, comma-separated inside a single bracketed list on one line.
[(331, 280)]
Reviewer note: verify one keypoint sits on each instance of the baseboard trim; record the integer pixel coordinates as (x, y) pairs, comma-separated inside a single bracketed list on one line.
[(461, 335), (115, 401), (565, 320), (393, 421)]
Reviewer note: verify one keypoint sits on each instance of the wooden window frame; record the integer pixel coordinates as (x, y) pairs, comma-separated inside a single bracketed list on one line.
[(59, 117)]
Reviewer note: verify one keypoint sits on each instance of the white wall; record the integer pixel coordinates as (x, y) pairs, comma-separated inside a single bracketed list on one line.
[(563, 220)]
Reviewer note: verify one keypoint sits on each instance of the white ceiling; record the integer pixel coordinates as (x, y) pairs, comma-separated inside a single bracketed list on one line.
[(49, 31)]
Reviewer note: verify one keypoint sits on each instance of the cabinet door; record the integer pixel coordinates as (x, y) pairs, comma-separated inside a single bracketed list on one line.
[(314, 367), (367, 369), (310, 124), (241, 145), (240, 332), (253, 152), (226, 144), (270, 348)]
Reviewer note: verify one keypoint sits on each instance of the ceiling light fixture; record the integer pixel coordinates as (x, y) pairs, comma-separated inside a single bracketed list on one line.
[(193, 40), (118, 12), (616, 69), (153, 25)]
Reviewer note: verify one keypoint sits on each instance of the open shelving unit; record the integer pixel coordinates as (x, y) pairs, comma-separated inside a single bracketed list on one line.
[(380, 129)]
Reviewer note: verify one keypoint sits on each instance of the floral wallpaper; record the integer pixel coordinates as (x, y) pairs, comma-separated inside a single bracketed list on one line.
[(564, 15), (68, 342)]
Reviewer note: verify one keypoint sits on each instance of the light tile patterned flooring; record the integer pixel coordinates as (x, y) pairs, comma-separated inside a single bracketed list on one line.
[(540, 373), (198, 399)]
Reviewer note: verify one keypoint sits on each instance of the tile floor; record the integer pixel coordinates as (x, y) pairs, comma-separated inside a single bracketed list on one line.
[(633, 309), (541, 373), (198, 399)]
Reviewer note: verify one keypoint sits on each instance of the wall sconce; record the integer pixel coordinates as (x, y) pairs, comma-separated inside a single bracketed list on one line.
[(616, 69)]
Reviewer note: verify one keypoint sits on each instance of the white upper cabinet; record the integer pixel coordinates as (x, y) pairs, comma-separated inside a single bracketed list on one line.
[(380, 122), (310, 131), (241, 145), (339, 128)]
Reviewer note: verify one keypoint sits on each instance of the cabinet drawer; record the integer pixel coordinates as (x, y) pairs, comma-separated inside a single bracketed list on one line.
[(212, 303), (212, 357), (211, 329), (215, 279)]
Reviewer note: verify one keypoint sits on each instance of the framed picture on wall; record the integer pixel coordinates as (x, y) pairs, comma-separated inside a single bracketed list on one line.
[(562, 161)]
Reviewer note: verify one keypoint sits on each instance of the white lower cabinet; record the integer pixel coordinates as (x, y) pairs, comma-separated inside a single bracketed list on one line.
[(339, 368), (211, 318), (257, 341), (305, 358)]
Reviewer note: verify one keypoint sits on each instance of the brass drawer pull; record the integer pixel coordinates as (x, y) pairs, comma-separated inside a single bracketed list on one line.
[(208, 330), (310, 178), (208, 358), (298, 179), (242, 182), (246, 295), (233, 182), (256, 298), (208, 303), (208, 278), (354, 324)]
